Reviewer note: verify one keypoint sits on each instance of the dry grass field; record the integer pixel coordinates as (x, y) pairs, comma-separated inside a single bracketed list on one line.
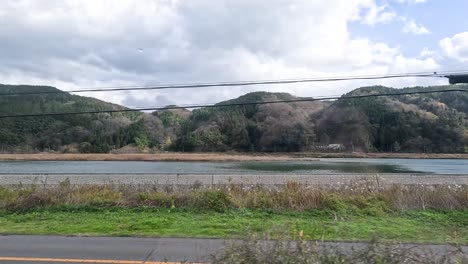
[(148, 157)]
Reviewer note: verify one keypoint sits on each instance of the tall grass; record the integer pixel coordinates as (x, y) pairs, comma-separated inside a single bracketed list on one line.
[(363, 197)]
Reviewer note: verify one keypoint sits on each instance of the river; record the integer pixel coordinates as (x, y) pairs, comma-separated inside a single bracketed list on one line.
[(322, 166)]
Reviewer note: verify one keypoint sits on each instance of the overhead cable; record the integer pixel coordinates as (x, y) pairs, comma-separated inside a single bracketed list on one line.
[(297, 100), (246, 83)]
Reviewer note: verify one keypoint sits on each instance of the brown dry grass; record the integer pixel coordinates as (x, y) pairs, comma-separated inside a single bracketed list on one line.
[(384, 155), (364, 196), (145, 157), (217, 157)]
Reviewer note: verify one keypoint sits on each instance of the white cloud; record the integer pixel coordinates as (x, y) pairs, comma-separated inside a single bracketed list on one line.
[(410, 26), (428, 53), (456, 47), (411, 1), (92, 43), (378, 15)]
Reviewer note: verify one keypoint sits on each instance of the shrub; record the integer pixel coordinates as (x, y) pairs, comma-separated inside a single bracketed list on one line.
[(213, 200), (369, 205), (30, 201), (334, 203), (156, 199), (259, 199)]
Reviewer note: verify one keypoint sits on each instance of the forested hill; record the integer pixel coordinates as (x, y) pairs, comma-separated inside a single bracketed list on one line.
[(55, 133), (434, 122), (407, 123)]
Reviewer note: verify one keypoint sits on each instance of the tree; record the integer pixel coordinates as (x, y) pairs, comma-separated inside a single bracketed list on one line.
[(210, 139), (186, 138), (142, 142), (85, 147)]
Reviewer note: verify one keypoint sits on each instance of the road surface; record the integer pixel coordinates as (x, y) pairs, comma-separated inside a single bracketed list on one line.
[(49, 249), (126, 250), (210, 179)]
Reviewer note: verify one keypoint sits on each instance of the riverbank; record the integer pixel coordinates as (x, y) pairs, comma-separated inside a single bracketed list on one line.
[(213, 157), (221, 157), (371, 155)]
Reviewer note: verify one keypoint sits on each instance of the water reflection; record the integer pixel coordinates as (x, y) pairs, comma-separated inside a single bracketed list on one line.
[(439, 166), (317, 167)]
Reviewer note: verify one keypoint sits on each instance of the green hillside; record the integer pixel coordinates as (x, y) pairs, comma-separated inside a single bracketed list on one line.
[(269, 127), (432, 123), (52, 133), (410, 123)]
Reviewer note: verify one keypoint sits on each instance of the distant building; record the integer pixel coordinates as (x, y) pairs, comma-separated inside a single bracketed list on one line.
[(327, 147), (335, 146)]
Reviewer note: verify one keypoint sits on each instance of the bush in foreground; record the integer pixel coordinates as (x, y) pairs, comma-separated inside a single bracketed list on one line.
[(284, 252)]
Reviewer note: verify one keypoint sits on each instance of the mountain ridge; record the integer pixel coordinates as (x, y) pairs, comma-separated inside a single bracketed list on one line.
[(406, 123)]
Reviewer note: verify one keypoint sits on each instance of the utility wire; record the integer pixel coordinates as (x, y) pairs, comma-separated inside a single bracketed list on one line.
[(248, 83), (231, 104)]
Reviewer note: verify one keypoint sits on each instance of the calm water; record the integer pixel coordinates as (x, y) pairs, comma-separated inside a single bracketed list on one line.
[(440, 166)]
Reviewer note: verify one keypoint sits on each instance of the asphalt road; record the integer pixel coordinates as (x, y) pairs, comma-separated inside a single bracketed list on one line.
[(126, 250), (210, 179), (27, 249)]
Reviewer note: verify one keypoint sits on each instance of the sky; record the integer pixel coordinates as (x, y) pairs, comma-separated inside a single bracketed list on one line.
[(105, 43)]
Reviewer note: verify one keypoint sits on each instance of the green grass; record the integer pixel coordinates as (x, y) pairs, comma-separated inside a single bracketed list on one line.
[(412, 226), (358, 212)]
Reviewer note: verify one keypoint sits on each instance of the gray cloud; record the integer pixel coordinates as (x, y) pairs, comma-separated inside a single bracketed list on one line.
[(87, 43), (154, 101)]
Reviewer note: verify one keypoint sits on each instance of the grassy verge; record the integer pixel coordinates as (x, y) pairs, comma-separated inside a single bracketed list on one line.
[(430, 214), (415, 226)]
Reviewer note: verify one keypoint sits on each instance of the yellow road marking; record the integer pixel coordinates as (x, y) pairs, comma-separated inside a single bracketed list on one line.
[(102, 261)]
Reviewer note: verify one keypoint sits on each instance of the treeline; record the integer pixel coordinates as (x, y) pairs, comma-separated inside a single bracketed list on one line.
[(411, 123), (430, 123)]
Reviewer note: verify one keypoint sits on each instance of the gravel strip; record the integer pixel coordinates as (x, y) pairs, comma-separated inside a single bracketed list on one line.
[(220, 179)]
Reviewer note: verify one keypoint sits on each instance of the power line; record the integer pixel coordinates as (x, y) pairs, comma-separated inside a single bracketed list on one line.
[(248, 83), (231, 104)]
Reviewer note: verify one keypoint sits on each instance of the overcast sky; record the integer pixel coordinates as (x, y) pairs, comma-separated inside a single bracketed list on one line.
[(100, 43)]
